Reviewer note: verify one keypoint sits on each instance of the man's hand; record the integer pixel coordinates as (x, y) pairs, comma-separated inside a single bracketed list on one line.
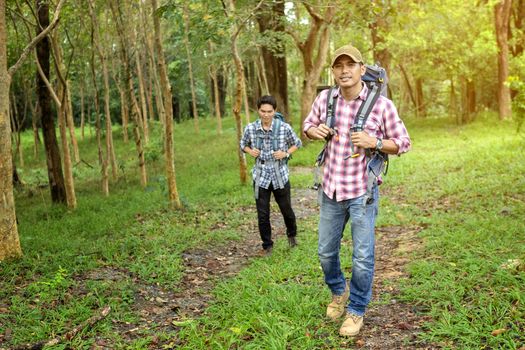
[(278, 155), (363, 140), (320, 132), (254, 152)]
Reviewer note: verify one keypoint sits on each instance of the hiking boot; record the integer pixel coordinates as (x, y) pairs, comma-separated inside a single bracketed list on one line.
[(336, 308), (266, 251), (351, 326), (292, 242)]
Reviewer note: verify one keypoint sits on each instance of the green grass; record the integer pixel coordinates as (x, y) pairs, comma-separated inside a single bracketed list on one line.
[(465, 185)]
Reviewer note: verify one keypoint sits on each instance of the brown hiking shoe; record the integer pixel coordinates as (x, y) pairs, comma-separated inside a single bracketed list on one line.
[(351, 326), (336, 308), (265, 252), (292, 242)]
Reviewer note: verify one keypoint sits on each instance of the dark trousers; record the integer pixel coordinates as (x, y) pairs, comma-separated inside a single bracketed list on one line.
[(283, 199)]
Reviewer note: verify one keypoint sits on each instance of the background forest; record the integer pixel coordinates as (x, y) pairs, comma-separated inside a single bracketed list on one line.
[(119, 164)]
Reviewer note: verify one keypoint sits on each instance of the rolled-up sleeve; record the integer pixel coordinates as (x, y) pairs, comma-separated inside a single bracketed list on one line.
[(245, 140), (395, 129), (291, 138)]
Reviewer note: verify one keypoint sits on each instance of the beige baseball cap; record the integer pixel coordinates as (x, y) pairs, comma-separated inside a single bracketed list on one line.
[(349, 51)]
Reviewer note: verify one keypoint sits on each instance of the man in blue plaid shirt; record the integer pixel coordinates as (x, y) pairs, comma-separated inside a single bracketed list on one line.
[(271, 142)]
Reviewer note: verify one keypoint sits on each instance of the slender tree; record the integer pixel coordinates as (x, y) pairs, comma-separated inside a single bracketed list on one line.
[(62, 107), (54, 162), (502, 20), (236, 29), (110, 149), (9, 241), (216, 97), (167, 97), (186, 17)]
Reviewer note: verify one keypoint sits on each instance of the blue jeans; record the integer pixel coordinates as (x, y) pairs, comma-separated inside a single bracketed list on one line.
[(333, 219)]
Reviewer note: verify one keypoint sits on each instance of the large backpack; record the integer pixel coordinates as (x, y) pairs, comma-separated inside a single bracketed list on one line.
[(376, 80)]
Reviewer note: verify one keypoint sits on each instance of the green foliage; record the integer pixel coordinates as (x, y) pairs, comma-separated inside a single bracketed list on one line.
[(518, 102)]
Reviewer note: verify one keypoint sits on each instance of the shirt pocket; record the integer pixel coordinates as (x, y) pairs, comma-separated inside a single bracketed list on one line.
[(374, 123)]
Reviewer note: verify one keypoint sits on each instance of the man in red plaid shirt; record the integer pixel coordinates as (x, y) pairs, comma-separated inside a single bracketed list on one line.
[(344, 183)]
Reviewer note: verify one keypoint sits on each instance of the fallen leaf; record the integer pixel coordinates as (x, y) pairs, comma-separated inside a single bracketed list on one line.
[(498, 331), (360, 343), (235, 330), (404, 326), (181, 323)]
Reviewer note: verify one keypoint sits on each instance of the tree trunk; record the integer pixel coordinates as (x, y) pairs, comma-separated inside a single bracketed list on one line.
[(246, 103), (502, 20), (142, 97), (190, 68), (316, 44), (453, 102), (102, 161), (82, 115), (213, 73), (54, 163), (420, 100), (71, 123), (237, 105), (519, 25), (378, 27), (271, 18), (261, 74), (122, 29), (62, 106), (167, 98), (66, 100), (68, 167), (154, 76), (110, 150), (471, 97), (222, 81), (409, 88), (124, 111), (9, 241), (35, 113), (16, 127)]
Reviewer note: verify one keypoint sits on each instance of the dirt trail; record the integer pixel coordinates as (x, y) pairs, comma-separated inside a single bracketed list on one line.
[(389, 323)]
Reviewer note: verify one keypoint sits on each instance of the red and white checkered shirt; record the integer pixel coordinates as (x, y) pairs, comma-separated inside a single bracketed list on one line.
[(347, 178)]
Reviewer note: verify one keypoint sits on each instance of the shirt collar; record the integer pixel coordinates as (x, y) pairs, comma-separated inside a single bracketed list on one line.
[(362, 94), (258, 125)]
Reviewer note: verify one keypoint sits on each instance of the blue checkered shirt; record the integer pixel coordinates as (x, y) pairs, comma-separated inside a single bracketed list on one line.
[(256, 137)]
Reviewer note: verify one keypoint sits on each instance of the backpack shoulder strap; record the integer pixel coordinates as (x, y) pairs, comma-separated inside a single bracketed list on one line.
[(331, 104), (366, 107), (275, 134), (258, 139)]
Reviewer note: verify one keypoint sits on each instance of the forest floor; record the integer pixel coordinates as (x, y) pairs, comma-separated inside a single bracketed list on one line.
[(388, 325)]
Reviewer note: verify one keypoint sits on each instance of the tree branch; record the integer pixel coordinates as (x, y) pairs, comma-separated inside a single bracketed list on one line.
[(69, 335), (44, 78), (312, 13), (247, 19), (27, 50)]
